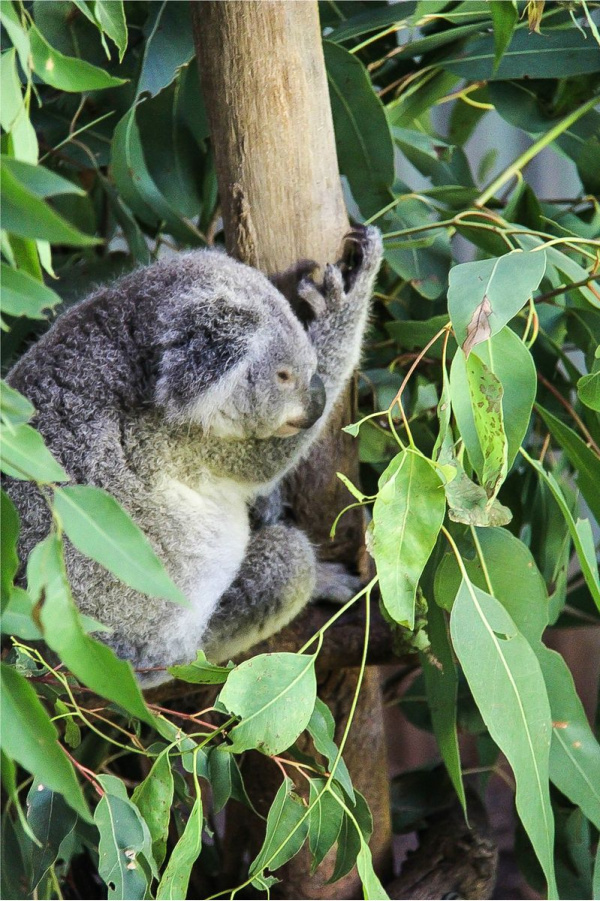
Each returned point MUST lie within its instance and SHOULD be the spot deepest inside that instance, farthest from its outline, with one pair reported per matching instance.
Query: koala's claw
(361, 255)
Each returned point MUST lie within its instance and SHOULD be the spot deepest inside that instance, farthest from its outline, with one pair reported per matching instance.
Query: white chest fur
(208, 535)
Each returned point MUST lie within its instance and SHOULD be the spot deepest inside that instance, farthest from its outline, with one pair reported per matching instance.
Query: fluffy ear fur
(199, 348)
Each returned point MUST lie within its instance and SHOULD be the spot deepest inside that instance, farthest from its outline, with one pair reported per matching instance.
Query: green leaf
(484, 296)
(274, 695)
(441, 683)
(175, 879)
(17, 34)
(9, 537)
(324, 822)
(137, 187)
(510, 361)
(67, 73)
(517, 584)
(201, 671)
(373, 18)
(407, 517)
(14, 406)
(153, 798)
(27, 215)
(225, 778)
(555, 53)
(486, 393)
(30, 738)
(51, 820)
(589, 567)
(351, 839)
(169, 46)
(123, 836)
(364, 144)
(507, 684)
(321, 728)
(23, 295)
(580, 456)
(90, 661)
(588, 386)
(99, 527)
(504, 18)
(287, 828)
(23, 455)
(40, 181)
(372, 887)
(411, 334)
(111, 18)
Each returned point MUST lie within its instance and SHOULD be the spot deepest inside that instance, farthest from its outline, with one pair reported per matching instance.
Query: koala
(188, 390)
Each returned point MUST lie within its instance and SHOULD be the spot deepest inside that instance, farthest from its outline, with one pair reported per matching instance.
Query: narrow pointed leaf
(287, 828)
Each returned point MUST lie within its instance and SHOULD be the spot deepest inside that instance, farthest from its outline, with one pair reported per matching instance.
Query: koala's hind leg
(276, 581)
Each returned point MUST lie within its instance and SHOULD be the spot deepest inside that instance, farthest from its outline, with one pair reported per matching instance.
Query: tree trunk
(265, 89)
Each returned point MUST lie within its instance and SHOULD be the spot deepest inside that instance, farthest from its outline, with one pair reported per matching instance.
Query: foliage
(479, 432)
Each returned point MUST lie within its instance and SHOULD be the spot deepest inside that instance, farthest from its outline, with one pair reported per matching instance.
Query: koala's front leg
(276, 580)
(341, 306)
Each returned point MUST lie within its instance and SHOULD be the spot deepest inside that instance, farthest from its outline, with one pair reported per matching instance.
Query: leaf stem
(572, 413)
(537, 146)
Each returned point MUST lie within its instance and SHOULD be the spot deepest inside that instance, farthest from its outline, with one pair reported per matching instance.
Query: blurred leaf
(14, 118)
(23, 295)
(588, 386)
(509, 690)
(274, 695)
(153, 798)
(136, 186)
(90, 661)
(101, 529)
(17, 34)
(421, 96)
(504, 17)
(25, 214)
(40, 181)
(23, 455)
(15, 409)
(324, 822)
(30, 738)
(10, 535)
(584, 461)
(441, 682)
(169, 45)
(67, 73)
(364, 144)
(589, 566)
(123, 836)
(51, 821)
(287, 828)
(527, 57)
(111, 18)
(407, 518)
(201, 671)
(373, 18)
(508, 358)
(484, 296)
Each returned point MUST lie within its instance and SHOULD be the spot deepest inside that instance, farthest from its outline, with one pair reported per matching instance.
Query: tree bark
(265, 89)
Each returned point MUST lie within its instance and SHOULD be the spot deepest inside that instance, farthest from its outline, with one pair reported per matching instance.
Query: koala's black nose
(316, 403)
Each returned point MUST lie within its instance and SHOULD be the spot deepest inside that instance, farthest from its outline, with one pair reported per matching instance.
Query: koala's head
(233, 358)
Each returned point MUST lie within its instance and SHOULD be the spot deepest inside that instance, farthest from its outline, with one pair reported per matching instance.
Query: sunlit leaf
(124, 837)
(23, 295)
(24, 455)
(153, 798)
(67, 73)
(287, 828)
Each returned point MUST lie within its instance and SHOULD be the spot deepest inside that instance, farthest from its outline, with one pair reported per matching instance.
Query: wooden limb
(265, 88)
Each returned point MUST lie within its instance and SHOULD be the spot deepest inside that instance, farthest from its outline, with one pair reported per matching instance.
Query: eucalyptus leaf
(101, 529)
(287, 829)
(23, 295)
(9, 538)
(175, 879)
(153, 798)
(507, 684)
(325, 821)
(274, 696)
(29, 737)
(486, 393)
(24, 455)
(51, 820)
(484, 296)
(201, 671)
(588, 386)
(67, 73)
(321, 728)
(407, 518)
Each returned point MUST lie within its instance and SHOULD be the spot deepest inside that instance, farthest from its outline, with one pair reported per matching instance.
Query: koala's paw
(361, 257)
(335, 583)
(351, 278)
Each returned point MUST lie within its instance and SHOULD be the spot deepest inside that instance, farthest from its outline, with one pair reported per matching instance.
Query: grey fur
(163, 389)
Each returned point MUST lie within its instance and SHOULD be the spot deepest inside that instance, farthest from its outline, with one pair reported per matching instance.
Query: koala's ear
(197, 349)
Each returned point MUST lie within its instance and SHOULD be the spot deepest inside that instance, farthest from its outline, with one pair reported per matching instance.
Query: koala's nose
(316, 403)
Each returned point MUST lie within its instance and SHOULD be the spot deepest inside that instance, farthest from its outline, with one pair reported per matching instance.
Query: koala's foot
(335, 583)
